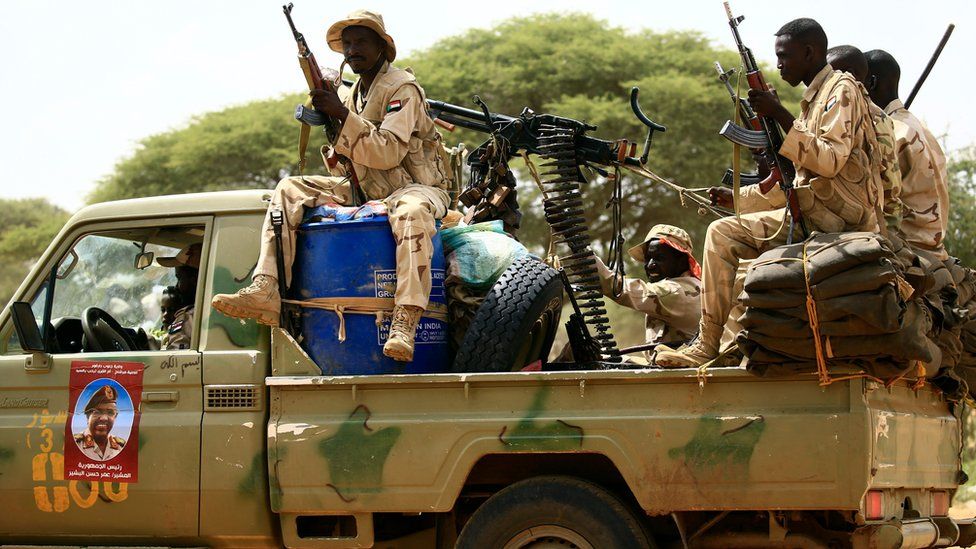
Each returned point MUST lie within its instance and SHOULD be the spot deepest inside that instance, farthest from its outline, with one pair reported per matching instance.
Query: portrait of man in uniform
(96, 441)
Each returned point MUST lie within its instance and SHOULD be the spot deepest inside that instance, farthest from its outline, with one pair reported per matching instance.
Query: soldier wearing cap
(97, 442)
(187, 265)
(670, 298)
(397, 155)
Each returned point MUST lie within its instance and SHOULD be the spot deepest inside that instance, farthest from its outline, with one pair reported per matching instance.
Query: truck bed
(680, 442)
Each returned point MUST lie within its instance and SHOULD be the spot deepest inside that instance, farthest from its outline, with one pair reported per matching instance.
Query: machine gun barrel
(464, 117)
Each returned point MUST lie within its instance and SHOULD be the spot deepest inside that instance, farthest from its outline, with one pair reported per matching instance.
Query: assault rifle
(745, 113)
(317, 81)
(763, 134)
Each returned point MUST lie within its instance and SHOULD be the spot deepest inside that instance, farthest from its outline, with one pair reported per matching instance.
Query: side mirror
(26, 326)
(67, 265)
(143, 260)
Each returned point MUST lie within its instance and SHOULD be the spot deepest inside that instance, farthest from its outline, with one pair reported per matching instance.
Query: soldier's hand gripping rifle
(308, 116)
(763, 133)
(747, 115)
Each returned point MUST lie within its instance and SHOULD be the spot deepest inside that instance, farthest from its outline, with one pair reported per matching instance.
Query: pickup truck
(240, 441)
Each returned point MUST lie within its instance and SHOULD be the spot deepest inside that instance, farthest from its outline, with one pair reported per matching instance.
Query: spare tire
(517, 321)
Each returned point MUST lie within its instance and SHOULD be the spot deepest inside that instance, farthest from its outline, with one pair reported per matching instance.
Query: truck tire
(554, 511)
(517, 321)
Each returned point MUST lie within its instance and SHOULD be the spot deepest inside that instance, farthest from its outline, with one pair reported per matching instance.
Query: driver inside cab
(187, 265)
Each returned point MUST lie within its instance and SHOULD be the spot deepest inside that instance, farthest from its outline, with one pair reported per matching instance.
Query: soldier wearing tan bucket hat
(670, 297)
(396, 152)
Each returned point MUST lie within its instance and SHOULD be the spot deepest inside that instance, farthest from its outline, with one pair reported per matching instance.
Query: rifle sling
(737, 180)
(303, 142)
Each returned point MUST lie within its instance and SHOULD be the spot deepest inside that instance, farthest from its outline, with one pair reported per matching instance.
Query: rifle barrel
(928, 68)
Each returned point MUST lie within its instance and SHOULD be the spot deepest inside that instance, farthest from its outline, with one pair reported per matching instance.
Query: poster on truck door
(101, 439)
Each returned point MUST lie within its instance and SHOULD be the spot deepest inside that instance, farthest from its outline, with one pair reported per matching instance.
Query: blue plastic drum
(357, 258)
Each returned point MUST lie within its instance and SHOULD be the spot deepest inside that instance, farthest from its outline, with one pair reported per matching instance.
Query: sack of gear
(964, 333)
(476, 256)
(849, 290)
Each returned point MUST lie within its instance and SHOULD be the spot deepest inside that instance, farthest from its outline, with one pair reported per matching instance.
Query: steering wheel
(104, 333)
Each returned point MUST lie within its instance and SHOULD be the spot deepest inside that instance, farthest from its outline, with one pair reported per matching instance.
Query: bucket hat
(360, 18)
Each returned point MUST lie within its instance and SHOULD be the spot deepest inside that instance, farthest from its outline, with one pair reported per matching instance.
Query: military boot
(692, 355)
(399, 346)
(259, 301)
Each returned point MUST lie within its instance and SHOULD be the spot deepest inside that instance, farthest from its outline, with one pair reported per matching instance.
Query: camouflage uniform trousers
(732, 326)
(412, 212)
(727, 243)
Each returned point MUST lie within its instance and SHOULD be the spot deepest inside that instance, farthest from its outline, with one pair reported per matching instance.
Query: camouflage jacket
(834, 147)
(389, 137)
(884, 128)
(672, 307)
(925, 191)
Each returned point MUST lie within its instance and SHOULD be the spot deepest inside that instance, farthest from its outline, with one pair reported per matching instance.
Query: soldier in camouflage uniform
(851, 60)
(670, 298)
(846, 59)
(396, 152)
(834, 148)
(925, 191)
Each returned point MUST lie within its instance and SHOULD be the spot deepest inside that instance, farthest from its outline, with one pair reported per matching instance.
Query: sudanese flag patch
(394, 106)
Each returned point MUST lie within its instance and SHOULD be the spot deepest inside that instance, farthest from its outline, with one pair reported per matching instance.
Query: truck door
(127, 461)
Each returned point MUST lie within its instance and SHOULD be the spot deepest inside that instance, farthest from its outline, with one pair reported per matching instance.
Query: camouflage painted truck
(240, 441)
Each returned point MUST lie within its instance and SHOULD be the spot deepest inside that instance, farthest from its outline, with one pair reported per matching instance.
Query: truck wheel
(554, 511)
(517, 321)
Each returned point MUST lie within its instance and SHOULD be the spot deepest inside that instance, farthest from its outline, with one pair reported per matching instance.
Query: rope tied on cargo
(380, 307)
(822, 348)
(814, 321)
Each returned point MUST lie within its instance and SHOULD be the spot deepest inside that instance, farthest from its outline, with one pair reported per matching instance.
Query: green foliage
(961, 238)
(26, 228)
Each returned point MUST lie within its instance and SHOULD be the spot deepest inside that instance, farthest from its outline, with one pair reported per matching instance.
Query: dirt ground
(963, 509)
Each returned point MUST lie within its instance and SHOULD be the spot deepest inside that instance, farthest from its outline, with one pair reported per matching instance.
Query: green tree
(26, 228)
(961, 238)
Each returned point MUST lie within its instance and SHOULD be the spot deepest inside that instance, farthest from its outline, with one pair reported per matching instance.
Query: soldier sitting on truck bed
(671, 297)
(397, 155)
(925, 194)
(852, 60)
(833, 146)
